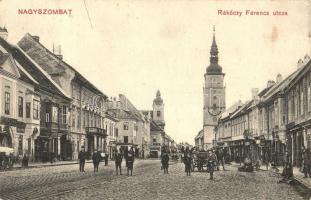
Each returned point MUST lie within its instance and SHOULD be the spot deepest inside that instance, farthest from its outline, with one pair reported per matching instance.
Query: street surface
(147, 182)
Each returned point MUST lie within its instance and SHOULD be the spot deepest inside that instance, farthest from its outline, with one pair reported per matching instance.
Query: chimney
(4, 33)
(57, 51)
(279, 78)
(270, 83)
(36, 38)
(300, 63)
(306, 59)
(255, 92)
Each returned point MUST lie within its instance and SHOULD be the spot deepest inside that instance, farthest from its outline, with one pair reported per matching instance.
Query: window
(7, 103)
(158, 113)
(117, 132)
(309, 98)
(154, 140)
(20, 107)
(54, 114)
(126, 139)
(47, 117)
(64, 113)
(136, 128)
(73, 123)
(79, 118)
(35, 109)
(301, 102)
(125, 126)
(28, 105)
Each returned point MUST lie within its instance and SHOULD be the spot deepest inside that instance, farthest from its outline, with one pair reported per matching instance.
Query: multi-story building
(109, 124)
(132, 126)
(297, 96)
(18, 122)
(82, 129)
(43, 142)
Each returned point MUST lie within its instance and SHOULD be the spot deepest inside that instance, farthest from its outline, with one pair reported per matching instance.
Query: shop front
(96, 138)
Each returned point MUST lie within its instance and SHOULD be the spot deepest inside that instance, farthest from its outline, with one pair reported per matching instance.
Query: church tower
(158, 110)
(214, 96)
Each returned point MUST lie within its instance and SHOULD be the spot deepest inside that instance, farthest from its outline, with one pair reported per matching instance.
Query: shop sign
(8, 121)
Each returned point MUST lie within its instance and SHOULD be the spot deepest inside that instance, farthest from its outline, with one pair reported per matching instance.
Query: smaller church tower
(158, 110)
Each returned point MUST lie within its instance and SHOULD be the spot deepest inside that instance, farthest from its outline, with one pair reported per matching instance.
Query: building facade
(19, 117)
(77, 124)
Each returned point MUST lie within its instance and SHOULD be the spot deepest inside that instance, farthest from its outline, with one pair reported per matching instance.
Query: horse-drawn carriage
(199, 160)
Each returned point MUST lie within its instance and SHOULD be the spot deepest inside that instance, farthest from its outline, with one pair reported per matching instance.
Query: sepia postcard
(155, 99)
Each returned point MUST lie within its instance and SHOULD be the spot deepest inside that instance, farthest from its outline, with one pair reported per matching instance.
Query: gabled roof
(46, 58)
(299, 74)
(276, 88)
(45, 81)
(241, 109)
(122, 114)
(264, 91)
(231, 110)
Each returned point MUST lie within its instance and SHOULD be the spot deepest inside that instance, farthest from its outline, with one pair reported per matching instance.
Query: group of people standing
(97, 157)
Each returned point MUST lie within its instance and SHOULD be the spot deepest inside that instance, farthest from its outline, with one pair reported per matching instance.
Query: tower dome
(158, 100)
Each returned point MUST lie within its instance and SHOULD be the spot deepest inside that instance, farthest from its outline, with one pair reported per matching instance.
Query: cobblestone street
(147, 182)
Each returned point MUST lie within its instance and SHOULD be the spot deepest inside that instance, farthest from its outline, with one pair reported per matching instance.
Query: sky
(137, 47)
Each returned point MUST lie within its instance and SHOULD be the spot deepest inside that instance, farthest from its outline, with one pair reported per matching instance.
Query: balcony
(96, 131)
(51, 126)
(156, 144)
(63, 127)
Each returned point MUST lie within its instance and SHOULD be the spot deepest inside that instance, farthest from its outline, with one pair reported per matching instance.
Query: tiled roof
(231, 109)
(280, 86)
(45, 58)
(44, 80)
(3, 58)
(242, 108)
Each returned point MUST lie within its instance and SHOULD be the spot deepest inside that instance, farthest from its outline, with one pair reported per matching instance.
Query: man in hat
(211, 163)
(118, 161)
(164, 160)
(81, 158)
(130, 161)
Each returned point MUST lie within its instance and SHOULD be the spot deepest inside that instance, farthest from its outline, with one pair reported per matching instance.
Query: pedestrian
(165, 160)
(118, 162)
(106, 159)
(96, 160)
(287, 173)
(81, 158)
(221, 158)
(306, 162)
(211, 162)
(25, 161)
(187, 162)
(266, 157)
(130, 161)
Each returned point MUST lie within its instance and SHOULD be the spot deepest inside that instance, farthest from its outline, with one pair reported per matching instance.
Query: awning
(6, 150)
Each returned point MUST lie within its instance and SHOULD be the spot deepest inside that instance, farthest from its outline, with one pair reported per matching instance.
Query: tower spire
(214, 67)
